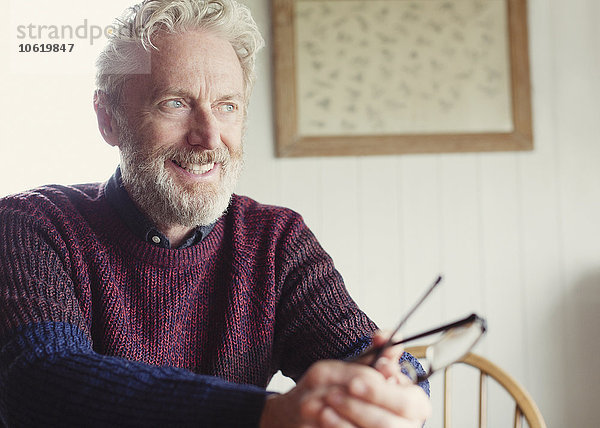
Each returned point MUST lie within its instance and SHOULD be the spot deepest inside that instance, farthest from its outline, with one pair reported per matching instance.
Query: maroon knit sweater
(98, 326)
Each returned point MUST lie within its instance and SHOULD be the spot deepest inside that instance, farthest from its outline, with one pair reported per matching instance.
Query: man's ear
(106, 120)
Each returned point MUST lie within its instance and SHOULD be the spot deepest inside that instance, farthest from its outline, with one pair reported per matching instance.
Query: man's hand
(341, 394)
(388, 363)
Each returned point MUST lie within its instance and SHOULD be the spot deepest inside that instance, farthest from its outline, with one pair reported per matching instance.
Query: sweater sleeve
(49, 372)
(317, 318)
(49, 376)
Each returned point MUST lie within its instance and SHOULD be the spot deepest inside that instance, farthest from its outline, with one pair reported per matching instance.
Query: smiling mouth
(194, 168)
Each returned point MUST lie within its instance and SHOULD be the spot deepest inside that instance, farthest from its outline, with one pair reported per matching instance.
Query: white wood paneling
(421, 236)
(501, 263)
(340, 213)
(577, 64)
(301, 190)
(380, 240)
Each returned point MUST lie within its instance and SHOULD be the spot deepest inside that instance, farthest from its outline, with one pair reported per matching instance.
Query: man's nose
(204, 130)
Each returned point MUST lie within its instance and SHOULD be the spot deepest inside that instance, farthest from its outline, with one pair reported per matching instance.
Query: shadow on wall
(581, 355)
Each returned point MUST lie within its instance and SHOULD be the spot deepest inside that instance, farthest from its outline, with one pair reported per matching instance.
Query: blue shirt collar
(136, 220)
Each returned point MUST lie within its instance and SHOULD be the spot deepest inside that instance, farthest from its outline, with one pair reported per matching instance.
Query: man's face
(181, 133)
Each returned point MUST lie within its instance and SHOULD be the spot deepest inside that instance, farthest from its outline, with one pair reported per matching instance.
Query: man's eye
(228, 108)
(174, 104)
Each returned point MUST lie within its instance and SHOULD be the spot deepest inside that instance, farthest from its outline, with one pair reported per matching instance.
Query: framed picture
(373, 77)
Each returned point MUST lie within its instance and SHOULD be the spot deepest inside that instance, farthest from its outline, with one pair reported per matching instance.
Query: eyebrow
(233, 96)
(182, 93)
(172, 92)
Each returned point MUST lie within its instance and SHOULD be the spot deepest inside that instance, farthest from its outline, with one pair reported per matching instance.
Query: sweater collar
(138, 222)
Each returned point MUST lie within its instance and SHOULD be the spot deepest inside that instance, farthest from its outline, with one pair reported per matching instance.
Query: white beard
(167, 202)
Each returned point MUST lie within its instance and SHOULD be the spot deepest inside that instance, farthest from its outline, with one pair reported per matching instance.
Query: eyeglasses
(455, 341)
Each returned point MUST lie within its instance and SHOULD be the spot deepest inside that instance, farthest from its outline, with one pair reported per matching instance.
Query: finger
(379, 339)
(311, 407)
(409, 401)
(331, 419)
(390, 369)
(393, 372)
(366, 415)
(329, 373)
(392, 353)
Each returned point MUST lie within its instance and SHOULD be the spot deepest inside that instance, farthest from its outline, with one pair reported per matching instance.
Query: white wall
(516, 235)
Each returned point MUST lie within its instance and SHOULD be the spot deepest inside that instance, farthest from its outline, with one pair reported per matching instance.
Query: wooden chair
(524, 404)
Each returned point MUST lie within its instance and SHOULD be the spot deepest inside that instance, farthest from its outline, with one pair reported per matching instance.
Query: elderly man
(158, 298)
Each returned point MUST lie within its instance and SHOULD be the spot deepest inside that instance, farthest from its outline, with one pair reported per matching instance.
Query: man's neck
(176, 234)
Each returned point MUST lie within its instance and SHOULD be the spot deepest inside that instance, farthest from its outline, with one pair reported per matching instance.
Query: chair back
(525, 407)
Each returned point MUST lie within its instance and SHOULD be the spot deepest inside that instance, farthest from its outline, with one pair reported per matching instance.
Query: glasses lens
(453, 345)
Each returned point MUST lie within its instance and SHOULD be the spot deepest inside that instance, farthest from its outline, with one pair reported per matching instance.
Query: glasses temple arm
(467, 320)
(471, 318)
(379, 351)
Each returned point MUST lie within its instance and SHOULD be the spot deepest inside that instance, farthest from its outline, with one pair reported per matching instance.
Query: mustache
(196, 156)
(149, 160)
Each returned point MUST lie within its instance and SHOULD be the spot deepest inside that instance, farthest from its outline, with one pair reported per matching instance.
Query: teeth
(195, 168)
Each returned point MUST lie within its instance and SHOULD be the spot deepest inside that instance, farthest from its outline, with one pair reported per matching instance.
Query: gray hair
(128, 48)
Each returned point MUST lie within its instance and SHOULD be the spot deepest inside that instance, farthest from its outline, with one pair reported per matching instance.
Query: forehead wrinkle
(170, 47)
(236, 96)
(203, 77)
(158, 93)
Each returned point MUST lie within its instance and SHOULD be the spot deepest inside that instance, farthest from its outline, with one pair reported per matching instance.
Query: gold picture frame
(319, 111)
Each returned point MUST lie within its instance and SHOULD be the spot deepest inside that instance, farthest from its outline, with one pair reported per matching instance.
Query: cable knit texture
(98, 326)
